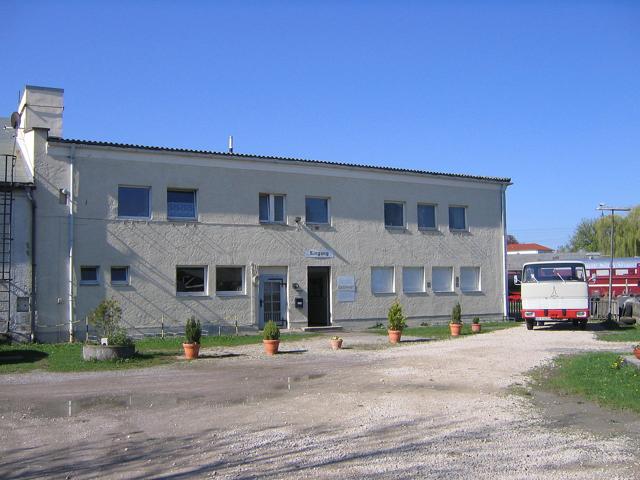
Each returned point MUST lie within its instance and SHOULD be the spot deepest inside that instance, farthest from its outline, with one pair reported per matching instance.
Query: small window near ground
(470, 279)
(229, 280)
(181, 205)
(316, 210)
(394, 214)
(442, 279)
(382, 280)
(271, 208)
(191, 280)
(426, 217)
(133, 202)
(89, 275)
(413, 279)
(119, 275)
(457, 218)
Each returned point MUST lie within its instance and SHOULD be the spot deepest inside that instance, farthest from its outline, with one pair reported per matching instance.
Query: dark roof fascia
(93, 143)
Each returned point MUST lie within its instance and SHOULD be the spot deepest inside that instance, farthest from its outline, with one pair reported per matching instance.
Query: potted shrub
(192, 333)
(456, 320)
(636, 351)
(106, 318)
(336, 343)
(271, 337)
(397, 322)
(475, 325)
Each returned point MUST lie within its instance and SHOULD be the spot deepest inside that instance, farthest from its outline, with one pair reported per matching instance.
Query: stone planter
(107, 352)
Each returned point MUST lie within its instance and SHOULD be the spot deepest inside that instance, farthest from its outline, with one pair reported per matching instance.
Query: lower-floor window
(229, 280)
(442, 279)
(191, 280)
(413, 279)
(382, 280)
(470, 279)
(89, 275)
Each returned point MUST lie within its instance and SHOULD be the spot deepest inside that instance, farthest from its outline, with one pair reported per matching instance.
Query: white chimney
(42, 107)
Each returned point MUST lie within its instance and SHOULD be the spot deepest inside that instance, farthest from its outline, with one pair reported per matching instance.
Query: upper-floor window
(134, 202)
(181, 204)
(426, 216)
(394, 214)
(457, 218)
(316, 210)
(271, 208)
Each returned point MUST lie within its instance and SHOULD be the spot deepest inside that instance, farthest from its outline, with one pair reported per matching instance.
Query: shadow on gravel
(21, 356)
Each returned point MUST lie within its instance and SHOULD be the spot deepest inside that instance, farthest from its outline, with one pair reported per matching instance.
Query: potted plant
(475, 325)
(115, 343)
(397, 322)
(192, 333)
(636, 351)
(456, 320)
(336, 343)
(271, 337)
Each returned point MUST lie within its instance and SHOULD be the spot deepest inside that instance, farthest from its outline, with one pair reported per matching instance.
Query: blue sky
(546, 92)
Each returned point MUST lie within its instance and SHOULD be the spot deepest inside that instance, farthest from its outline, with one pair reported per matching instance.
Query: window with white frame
(383, 279)
(134, 202)
(457, 218)
(442, 279)
(426, 216)
(394, 214)
(413, 279)
(229, 280)
(89, 275)
(181, 204)
(119, 276)
(271, 208)
(470, 279)
(316, 210)
(191, 280)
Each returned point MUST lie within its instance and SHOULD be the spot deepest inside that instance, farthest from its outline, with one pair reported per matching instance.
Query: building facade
(237, 239)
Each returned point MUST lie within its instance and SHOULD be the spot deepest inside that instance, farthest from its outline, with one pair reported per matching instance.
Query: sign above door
(318, 253)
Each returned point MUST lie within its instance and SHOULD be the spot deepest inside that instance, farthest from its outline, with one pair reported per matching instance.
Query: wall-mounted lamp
(298, 219)
(296, 286)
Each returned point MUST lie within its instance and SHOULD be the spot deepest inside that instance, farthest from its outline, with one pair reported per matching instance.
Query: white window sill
(413, 292)
(89, 284)
(231, 294)
(192, 294)
(459, 230)
(120, 284)
(471, 291)
(139, 219)
(443, 291)
(383, 293)
(427, 229)
(392, 227)
(265, 222)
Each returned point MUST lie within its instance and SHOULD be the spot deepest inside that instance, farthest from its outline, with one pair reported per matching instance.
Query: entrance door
(272, 300)
(318, 296)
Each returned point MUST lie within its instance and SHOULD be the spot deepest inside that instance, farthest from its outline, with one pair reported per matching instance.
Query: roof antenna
(230, 143)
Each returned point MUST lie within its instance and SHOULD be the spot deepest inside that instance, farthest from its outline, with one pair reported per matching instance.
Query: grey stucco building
(235, 238)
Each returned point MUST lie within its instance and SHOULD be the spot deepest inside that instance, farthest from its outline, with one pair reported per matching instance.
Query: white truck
(554, 292)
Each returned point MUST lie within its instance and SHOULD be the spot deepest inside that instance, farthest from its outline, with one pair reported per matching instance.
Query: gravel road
(420, 410)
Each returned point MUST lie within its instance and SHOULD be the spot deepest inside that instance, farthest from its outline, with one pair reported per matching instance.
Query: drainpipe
(505, 287)
(70, 203)
(33, 264)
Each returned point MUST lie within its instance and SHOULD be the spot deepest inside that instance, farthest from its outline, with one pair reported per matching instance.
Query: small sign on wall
(346, 291)
(318, 253)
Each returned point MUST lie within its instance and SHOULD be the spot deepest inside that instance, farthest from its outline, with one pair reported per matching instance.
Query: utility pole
(603, 207)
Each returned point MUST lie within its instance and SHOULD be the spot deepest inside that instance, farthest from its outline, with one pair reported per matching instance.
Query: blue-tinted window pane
(278, 208)
(181, 204)
(119, 274)
(317, 210)
(133, 202)
(393, 214)
(264, 208)
(426, 216)
(457, 219)
(88, 274)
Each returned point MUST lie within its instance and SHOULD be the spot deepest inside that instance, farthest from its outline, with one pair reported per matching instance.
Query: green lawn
(621, 334)
(67, 357)
(441, 332)
(596, 376)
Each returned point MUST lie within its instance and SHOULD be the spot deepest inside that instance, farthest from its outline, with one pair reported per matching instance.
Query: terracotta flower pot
(455, 329)
(191, 350)
(336, 344)
(394, 336)
(636, 352)
(476, 327)
(271, 346)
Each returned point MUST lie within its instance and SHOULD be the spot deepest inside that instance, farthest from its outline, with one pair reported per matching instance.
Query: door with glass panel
(272, 300)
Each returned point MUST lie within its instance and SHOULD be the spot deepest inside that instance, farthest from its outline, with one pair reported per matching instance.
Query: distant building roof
(526, 247)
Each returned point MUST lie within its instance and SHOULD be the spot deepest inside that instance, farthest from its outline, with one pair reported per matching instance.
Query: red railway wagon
(625, 279)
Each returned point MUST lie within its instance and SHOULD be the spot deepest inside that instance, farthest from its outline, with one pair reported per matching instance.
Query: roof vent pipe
(230, 143)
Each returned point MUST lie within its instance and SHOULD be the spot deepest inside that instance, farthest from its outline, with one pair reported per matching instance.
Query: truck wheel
(583, 324)
(529, 324)
(575, 323)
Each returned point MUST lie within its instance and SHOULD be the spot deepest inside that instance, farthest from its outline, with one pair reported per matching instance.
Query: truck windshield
(554, 272)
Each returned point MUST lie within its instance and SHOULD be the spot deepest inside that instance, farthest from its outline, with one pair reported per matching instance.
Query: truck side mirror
(592, 278)
(515, 280)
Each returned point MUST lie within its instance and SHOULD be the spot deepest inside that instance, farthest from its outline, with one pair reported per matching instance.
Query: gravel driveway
(420, 410)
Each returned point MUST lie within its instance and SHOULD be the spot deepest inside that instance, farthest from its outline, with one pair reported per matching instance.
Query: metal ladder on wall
(6, 216)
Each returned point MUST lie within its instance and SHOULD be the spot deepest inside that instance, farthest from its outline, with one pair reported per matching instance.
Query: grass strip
(600, 377)
(441, 332)
(621, 334)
